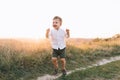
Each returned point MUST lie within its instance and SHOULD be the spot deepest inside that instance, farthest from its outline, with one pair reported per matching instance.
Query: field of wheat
(26, 59)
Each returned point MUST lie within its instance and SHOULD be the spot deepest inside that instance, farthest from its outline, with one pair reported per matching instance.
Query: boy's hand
(68, 32)
(48, 30)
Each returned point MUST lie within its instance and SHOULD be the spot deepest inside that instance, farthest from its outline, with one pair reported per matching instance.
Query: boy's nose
(54, 23)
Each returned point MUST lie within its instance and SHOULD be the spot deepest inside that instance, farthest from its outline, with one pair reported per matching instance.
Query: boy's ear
(60, 23)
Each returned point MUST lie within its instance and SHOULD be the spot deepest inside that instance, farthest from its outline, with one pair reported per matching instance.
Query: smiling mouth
(54, 25)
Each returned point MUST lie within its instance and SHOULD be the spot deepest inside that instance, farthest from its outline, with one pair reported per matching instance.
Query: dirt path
(100, 62)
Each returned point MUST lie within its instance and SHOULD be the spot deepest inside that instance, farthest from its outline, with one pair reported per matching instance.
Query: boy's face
(56, 23)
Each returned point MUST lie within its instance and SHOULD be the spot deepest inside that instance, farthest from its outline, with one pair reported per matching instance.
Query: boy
(57, 36)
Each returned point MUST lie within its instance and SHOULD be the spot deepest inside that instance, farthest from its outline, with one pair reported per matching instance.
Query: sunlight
(87, 19)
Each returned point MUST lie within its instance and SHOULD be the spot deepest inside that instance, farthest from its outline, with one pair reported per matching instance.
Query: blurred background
(84, 18)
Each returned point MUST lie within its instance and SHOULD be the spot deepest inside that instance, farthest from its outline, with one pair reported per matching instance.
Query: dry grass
(25, 57)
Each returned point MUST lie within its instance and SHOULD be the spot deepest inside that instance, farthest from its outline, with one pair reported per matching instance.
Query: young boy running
(57, 36)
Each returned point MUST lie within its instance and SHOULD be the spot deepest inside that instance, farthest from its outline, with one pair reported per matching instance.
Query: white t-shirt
(58, 38)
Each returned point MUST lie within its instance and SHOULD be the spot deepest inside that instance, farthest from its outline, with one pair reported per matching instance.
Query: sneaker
(55, 72)
(64, 72)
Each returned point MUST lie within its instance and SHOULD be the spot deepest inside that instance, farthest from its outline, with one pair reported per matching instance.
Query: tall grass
(24, 60)
(110, 71)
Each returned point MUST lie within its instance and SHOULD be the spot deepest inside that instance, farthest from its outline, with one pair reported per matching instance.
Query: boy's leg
(55, 62)
(54, 58)
(63, 61)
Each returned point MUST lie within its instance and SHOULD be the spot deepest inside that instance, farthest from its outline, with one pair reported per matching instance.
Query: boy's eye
(55, 22)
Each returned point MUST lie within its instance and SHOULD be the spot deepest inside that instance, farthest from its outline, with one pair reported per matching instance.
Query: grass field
(28, 59)
(110, 71)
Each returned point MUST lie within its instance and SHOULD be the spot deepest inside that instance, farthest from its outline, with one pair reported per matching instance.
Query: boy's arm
(47, 33)
(68, 33)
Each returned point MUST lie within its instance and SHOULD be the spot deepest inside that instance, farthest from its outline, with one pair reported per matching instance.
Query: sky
(84, 18)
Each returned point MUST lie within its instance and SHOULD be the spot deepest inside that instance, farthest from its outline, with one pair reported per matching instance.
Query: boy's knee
(54, 59)
(62, 60)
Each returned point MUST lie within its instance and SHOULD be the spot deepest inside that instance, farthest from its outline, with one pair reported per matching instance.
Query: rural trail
(98, 63)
